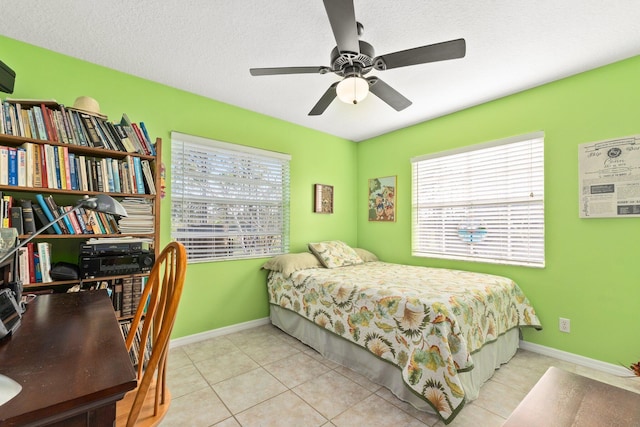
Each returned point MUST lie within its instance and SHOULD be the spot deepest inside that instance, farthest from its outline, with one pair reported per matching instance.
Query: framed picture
(382, 199)
(323, 200)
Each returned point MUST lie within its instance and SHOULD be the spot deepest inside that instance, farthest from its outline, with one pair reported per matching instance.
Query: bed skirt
(381, 372)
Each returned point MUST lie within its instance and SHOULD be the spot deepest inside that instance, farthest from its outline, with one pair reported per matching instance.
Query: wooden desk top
(565, 399)
(67, 354)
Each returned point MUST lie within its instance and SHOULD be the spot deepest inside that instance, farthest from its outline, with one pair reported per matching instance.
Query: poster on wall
(323, 198)
(382, 199)
(609, 174)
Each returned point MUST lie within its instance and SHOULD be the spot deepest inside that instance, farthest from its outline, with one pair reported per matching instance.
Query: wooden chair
(148, 403)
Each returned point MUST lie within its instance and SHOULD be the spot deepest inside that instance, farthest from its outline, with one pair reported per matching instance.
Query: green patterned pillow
(335, 253)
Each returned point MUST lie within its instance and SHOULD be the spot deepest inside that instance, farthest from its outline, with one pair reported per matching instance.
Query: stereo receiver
(114, 265)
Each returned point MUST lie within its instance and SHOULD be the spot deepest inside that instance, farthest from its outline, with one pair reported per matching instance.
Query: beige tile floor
(263, 377)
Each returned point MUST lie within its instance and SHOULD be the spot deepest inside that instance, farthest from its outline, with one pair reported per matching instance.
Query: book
(32, 124)
(48, 214)
(48, 166)
(22, 167)
(28, 219)
(64, 163)
(93, 137)
(139, 176)
(7, 203)
(4, 165)
(36, 266)
(129, 174)
(52, 134)
(16, 219)
(41, 218)
(39, 119)
(148, 177)
(92, 183)
(30, 163)
(44, 252)
(57, 178)
(151, 146)
(115, 172)
(81, 167)
(32, 267)
(19, 122)
(110, 178)
(96, 171)
(23, 264)
(37, 166)
(13, 166)
(2, 129)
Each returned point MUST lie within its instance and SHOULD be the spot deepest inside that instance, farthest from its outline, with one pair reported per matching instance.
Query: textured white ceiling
(207, 47)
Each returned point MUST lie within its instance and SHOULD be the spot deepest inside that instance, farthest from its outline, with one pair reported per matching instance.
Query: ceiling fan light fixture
(352, 90)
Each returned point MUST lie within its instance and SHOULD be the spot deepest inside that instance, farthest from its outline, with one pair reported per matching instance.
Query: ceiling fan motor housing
(353, 63)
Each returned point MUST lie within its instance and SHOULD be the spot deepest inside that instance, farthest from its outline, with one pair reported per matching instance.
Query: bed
(431, 336)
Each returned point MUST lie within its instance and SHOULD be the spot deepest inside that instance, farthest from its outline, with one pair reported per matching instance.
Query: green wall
(591, 276)
(224, 293)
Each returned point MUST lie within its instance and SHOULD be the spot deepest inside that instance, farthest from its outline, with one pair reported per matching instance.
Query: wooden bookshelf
(66, 140)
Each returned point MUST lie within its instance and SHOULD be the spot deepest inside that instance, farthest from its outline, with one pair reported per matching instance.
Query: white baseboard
(189, 339)
(574, 358)
(525, 345)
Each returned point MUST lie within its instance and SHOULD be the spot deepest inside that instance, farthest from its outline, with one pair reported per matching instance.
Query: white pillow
(287, 264)
(365, 255)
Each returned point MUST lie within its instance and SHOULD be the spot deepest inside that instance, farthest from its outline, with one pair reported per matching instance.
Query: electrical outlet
(565, 325)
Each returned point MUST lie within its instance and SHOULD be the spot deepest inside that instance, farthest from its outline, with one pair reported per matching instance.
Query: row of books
(49, 121)
(27, 216)
(53, 166)
(34, 263)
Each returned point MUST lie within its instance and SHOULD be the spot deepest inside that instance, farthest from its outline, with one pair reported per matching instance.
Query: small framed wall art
(382, 199)
(323, 199)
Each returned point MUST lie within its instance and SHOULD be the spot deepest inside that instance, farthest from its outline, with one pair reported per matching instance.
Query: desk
(564, 399)
(70, 358)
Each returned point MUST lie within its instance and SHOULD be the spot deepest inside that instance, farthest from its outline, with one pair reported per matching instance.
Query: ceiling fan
(353, 58)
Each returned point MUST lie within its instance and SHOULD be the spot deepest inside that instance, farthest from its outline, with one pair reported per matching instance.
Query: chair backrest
(154, 321)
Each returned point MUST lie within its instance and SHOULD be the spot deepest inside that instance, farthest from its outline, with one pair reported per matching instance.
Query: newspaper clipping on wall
(610, 178)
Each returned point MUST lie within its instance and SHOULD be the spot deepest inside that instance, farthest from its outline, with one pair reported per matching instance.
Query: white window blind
(482, 203)
(228, 201)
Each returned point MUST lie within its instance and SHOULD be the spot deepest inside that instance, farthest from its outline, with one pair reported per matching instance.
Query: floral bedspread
(426, 321)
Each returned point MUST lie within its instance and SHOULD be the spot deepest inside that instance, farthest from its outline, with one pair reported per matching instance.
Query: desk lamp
(99, 203)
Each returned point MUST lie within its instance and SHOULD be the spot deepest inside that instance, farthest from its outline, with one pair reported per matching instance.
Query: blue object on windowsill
(472, 234)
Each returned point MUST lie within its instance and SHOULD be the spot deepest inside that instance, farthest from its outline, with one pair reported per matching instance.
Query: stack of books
(140, 216)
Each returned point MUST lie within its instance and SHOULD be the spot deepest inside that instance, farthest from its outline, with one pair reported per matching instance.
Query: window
(481, 203)
(228, 201)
